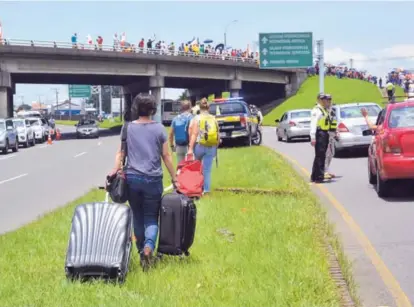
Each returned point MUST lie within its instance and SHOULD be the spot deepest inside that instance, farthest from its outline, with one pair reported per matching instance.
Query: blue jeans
(206, 155)
(144, 197)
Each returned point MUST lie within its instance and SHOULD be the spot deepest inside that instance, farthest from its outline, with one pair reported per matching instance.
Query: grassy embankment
(342, 91)
(105, 124)
(250, 250)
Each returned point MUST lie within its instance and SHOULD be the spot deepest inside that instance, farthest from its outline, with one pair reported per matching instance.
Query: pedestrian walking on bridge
(319, 134)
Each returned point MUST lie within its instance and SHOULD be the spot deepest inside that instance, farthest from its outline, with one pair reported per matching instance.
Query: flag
(89, 39)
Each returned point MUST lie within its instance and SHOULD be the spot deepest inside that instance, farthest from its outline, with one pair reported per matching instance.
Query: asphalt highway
(42, 178)
(387, 223)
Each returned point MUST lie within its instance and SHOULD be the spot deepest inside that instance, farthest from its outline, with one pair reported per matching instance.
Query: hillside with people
(343, 90)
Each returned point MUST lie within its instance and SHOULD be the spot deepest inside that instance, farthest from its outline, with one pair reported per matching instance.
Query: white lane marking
(80, 154)
(13, 178)
(7, 157)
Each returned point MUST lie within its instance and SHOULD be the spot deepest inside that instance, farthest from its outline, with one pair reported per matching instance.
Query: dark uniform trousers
(321, 146)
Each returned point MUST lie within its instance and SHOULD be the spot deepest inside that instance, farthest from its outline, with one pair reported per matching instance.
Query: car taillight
(243, 121)
(391, 145)
(292, 124)
(342, 128)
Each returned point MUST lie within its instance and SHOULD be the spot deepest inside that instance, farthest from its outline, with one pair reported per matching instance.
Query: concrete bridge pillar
(6, 95)
(156, 83)
(235, 86)
(129, 93)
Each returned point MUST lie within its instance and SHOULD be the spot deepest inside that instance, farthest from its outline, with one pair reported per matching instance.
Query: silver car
(351, 124)
(8, 136)
(294, 124)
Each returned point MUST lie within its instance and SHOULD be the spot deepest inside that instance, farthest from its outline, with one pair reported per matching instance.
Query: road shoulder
(370, 288)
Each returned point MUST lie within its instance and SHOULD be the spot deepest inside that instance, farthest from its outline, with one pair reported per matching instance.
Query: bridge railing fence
(119, 48)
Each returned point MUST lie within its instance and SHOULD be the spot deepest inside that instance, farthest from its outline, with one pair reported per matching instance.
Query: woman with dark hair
(147, 144)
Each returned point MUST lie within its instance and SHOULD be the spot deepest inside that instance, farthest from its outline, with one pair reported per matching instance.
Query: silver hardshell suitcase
(100, 241)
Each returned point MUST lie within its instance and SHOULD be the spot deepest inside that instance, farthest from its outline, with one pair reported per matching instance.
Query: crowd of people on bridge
(342, 71)
(193, 47)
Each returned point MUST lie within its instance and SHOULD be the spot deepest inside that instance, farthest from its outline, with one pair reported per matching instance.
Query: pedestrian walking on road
(333, 134)
(204, 140)
(390, 90)
(179, 133)
(147, 145)
(319, 132)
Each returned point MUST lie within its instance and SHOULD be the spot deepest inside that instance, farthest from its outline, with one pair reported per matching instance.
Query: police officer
(319, 134)
(332, 136)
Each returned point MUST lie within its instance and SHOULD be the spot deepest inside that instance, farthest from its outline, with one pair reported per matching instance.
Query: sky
(364, 31)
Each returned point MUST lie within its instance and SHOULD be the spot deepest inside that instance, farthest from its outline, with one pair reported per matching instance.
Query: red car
(391, 153)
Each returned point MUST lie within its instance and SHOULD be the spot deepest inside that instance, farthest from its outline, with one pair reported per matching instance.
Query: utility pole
(351, 63)
(225, 33)
(21, 100)
(56, 90)
(320, 57)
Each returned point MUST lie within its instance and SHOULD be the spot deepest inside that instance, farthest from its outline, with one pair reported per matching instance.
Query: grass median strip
(105, 124)
(250, 250)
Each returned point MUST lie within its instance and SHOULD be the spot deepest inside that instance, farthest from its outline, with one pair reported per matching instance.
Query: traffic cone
(49, 140)
(57, 134)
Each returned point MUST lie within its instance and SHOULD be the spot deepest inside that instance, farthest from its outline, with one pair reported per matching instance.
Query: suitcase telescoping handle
(106, 194)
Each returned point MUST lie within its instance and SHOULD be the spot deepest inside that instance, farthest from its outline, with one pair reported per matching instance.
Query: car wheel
(278, 136)
(257, 140)
(288, 139)
(382, 186)
(16, 146)
(26, 144)
(33, 141)
(372, 178)
(5, 150)
(337, 152)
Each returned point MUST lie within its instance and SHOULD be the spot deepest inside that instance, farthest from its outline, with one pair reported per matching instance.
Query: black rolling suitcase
(100, 241)
(178, 215)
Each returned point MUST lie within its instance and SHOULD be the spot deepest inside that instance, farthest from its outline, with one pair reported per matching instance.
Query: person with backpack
(204, 140)
(179, 136)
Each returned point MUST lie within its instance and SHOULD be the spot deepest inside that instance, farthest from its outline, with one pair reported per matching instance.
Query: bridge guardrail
(129, 49)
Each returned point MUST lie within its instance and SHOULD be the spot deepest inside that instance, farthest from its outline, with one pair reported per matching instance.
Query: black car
(87, 128)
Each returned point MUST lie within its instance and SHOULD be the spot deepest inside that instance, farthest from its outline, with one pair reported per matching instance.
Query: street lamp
(225, 31)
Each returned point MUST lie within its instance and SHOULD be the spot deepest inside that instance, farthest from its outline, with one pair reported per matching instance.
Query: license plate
(227, 127)
(223, 134)
(87, 132)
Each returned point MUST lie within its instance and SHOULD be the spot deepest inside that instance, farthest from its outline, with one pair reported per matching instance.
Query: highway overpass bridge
(52, 63)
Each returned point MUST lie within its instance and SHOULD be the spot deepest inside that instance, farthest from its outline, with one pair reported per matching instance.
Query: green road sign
(79, 91)
(286, 50)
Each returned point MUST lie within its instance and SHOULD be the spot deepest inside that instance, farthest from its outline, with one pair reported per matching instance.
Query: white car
(25, 133)
(351, 124)
(39, 128)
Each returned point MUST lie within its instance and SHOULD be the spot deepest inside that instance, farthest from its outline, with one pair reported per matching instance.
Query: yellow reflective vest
(324, 122)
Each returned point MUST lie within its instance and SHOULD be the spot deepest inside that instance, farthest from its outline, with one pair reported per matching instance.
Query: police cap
(328, 96)
(320, 96)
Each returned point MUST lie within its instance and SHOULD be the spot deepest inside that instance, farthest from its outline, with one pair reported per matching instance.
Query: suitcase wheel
(187, 253)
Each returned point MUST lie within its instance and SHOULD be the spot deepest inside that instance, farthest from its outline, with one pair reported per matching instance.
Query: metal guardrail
(129, 49)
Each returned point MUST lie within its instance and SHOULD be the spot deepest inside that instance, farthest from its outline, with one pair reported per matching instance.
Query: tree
(184, 95)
